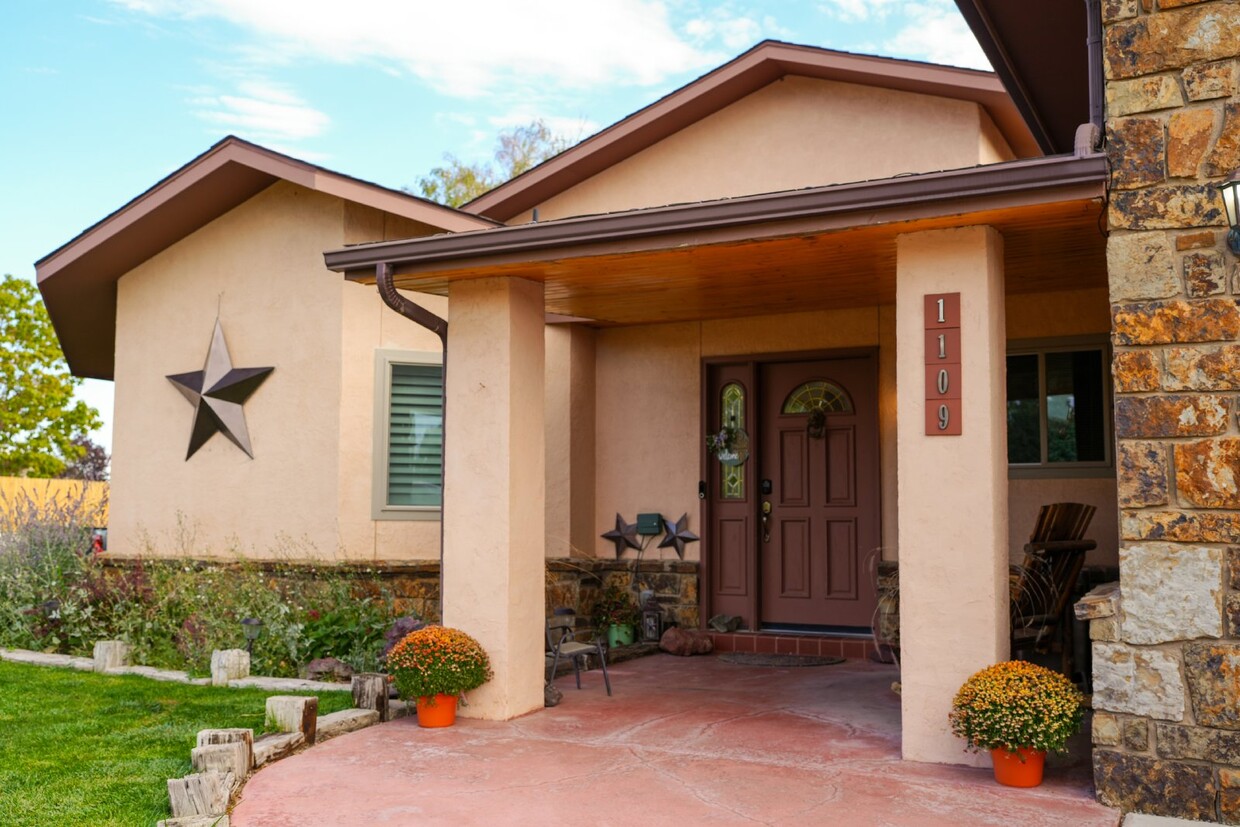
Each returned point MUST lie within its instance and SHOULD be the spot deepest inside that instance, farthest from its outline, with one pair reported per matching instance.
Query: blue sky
(102, 98)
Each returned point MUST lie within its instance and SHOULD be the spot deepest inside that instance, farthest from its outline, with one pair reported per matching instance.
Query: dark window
(1056, 408)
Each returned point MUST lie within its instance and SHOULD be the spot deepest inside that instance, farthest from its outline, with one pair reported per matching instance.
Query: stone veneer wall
(1167, 663)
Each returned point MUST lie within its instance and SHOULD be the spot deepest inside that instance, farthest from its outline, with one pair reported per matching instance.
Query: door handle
(766, 521)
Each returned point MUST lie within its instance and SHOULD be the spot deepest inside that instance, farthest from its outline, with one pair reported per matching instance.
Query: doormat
(760, 659)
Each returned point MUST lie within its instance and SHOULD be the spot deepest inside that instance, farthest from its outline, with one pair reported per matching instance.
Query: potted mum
(1019, 711)
(435, 665)
(617, 613)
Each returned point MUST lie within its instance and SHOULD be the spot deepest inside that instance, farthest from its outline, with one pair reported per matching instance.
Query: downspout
(1093, 44)
(420, 315)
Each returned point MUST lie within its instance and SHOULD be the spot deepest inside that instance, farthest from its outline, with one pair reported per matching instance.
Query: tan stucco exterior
(308, 489)
(796, 132)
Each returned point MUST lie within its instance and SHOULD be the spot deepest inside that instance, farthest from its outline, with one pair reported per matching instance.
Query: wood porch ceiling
(1047, 247)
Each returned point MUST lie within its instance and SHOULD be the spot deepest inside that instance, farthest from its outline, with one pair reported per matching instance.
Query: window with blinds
(415, 436)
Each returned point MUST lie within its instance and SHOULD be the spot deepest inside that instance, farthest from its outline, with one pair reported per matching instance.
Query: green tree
(39, 421)
(516, 150)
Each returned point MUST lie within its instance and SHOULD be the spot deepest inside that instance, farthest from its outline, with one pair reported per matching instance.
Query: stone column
(1166, 688)
(494, 500)
(952, 489)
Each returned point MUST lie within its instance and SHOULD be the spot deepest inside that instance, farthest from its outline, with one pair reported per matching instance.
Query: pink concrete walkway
(683, 742)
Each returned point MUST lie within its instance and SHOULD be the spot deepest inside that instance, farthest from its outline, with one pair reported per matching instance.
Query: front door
(793, 527)
(820, 520)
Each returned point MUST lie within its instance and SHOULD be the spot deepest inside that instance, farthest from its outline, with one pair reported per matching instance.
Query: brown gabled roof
(761, 65)
(78, 279)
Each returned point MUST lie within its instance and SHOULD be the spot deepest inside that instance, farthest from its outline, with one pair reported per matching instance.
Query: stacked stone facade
(1167, 651)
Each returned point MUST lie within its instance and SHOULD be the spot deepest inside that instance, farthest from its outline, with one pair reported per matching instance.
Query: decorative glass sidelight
(732, 412)
(818, 395)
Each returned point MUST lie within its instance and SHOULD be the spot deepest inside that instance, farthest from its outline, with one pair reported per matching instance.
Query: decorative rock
(47, 659)
(1213, 671)
(1105, 730)
(551, 695)
(397, 709)
(201, 794)
(1225, 156)
(1156, 43)
(245, 737)
(289, 685)
(1136, 148)
(1140, 266)
(1142, 682)
(1171, 592)
(1170, 415)
(1134, 371)
(1180, 526)
(1204, 274)
(111, 654)
(229, 665)
(293, 713)
(168, 675)
(1127, 97)
(1151, 785)
(1206, 473)
(1142, 474)
(370, 691)
(1176, 322)
(1188, 138)
(1203, 368)
(683, 642)
(195, 821)
(276, 746)
(1195, 241)
(1183, 206)
(1137, 734)
(1197, 743)
(1100, 601)
(1209, 81)
(234, 758)
(344, 721)
(328, 669)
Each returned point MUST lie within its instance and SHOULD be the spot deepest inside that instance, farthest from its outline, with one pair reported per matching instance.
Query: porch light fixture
(252, 627)
(1230, 191)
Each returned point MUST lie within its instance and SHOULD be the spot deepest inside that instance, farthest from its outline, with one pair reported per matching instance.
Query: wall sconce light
(1230, 191)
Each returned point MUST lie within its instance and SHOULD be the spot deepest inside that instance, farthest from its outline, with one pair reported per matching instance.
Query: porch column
(494, 486)
(952, 489)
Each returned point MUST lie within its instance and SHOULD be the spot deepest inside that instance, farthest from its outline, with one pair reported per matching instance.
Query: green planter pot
(619, 635)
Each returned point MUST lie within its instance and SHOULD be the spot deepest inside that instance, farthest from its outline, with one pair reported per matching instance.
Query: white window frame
(1044, 469)
(385, 358)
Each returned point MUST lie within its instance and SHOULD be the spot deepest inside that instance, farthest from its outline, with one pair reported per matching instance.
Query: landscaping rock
(346, 720)
(276, 746)
(371, 691)
(208, 737)
(677, 641)
(45, 659)
(196, 821)
(168, 675)
(293, 713)
(551, 695)
(232, 758)
(289, 685)
(397, 709)
(201, 794)
(229, 665)
(111, 654)
(327, 669)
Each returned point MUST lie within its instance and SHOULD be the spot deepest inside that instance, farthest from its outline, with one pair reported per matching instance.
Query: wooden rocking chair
(1042, 586)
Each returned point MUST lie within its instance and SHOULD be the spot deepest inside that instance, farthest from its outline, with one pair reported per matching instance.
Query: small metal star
(217, 393)
(623, 535)
(678, 534)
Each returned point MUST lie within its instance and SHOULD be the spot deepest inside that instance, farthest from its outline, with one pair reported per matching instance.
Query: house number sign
(942, 313)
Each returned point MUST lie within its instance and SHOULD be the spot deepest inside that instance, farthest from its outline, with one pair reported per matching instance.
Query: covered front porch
(553, 429)
(683, 741)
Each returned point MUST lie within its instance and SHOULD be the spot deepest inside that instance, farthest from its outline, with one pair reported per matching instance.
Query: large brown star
(624, 535)
(217, 393)
(677, 535)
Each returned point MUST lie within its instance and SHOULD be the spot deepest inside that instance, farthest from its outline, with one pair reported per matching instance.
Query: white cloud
(735, 33)
(858, 10)
(463, 48)
(263, 111)
(936, 32)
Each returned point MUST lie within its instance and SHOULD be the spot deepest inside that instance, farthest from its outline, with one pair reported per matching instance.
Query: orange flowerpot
(1022, 768)
(436, 710)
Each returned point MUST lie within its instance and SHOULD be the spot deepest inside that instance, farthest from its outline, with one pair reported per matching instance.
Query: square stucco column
(494, 498)
(952, 489)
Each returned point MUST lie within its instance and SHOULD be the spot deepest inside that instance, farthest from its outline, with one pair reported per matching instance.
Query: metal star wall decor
(678, 534)
(623, 535)
(217, 393)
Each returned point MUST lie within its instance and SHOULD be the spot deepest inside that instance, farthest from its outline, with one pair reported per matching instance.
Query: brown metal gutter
(900, 198)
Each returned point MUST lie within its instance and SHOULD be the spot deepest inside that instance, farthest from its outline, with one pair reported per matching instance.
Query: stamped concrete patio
(690, 741)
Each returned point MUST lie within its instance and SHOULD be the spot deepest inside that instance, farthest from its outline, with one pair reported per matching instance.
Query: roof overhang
(820, 247)
(760, 66)
(78, 280)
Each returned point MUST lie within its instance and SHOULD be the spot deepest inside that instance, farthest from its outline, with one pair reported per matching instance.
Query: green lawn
(81, 748)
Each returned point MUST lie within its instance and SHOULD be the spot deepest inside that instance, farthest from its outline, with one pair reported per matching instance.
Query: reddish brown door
(823, 519)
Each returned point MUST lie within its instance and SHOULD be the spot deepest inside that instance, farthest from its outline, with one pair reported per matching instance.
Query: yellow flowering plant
(1016, 704)
(437, 660)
